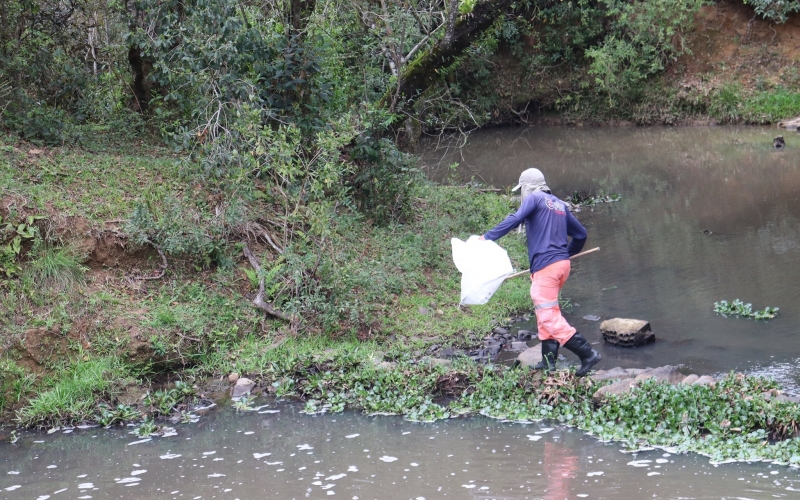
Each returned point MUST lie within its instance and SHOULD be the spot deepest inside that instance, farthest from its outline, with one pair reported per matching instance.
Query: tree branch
(259, 301)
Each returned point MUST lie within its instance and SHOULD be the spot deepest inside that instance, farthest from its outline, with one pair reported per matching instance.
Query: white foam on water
(82, 476)
(269, 411)
(582, 495)
(317, 483)
(147, 440)
(468, 486)
(639, 463)
(85, 497)
(331, 493)
(544, 430)
(60, 491)
(327, 486)
(169, 456)
(352, 468)
(534, 438)
(38, 441)
(335, 478)
(351, 436)
(127, 480)
(387, 458)
(414, 464)
(216, 474)
(43, 497)
(138, 472)
(661, 460)
(13, 472)
(249, 433)
(274, 463)
(206, 453)
(405, 432)
(218, 459)
(259, 456)
(303, 447)
(15, 487)
(653, 473)
(597, 473)
(86, 486)
(52, 466)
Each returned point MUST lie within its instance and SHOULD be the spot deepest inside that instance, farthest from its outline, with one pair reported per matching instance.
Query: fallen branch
(163, 267)
(259, 301)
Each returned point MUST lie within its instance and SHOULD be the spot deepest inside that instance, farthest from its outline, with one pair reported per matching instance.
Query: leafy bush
(774, 10)
(14, 230)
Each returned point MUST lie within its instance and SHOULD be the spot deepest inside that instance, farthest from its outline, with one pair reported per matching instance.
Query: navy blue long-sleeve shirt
(548, 223)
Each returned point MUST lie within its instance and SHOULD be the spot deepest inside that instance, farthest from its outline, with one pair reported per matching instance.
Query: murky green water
(286, 455)
(656, 262)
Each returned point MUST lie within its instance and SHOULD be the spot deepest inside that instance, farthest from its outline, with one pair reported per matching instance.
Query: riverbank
(93, 338)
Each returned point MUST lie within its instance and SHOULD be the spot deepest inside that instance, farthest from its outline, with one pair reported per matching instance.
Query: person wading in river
(548, 223)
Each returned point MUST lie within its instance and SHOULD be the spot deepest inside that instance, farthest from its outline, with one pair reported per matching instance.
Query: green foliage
(15, 383)
(165, 401)
(776, 11)
(14, 230)
(740, 309)
(184, 226)
(72, 398)
(108, 416)
(55, 269)
(645, 35)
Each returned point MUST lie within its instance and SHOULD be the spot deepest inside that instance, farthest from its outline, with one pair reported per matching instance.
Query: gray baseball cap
(532, 180)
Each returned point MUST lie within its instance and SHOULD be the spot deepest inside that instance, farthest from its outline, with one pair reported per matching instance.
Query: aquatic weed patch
(739, 309)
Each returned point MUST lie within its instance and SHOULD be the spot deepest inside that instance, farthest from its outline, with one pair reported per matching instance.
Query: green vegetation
(740, 309)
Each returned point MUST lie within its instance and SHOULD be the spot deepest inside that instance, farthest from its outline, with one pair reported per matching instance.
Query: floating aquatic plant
(740, 309)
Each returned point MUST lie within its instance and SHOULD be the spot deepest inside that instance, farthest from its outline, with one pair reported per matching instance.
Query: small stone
(518, 346)
(627, 332)
(530, 356)
(705, 380)
(436, 362)
(525, 335)
(233, 377)
(636, 371)
(243, 386)
(690, 379)
(447, 352)
(492, 350)
(433, 348)
(500, 331)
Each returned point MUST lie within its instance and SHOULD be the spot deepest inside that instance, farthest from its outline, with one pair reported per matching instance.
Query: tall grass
(54, 268)
(73, 397)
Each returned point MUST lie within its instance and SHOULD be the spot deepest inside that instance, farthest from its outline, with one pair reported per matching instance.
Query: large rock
(667, 373)
(617, 388)
(530, 356)
(616, 373)
(705, 380)
(243, 386)
(627, 332)
(691, 379)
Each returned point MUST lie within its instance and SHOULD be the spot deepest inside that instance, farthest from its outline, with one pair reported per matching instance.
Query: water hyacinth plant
(740, 309)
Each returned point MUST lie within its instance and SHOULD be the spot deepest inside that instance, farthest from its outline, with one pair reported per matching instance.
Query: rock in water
(243, 386)
(530, 356)
(627, 332)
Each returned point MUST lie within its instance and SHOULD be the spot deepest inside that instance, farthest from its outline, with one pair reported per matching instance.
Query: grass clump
(73, 397)
(739, 309)
(55, 269)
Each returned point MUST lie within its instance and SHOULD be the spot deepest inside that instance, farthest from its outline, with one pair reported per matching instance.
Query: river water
(706, 214)
(656, 263)
(285, 455)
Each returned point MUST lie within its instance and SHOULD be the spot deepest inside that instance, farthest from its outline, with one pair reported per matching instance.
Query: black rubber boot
(589, 357)
(549, 356)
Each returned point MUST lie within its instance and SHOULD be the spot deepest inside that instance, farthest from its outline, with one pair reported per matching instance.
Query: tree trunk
(421, 72)
(452, 17)
(299, 11)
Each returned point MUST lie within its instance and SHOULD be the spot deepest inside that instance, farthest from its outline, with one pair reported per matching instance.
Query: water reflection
(707, 214)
